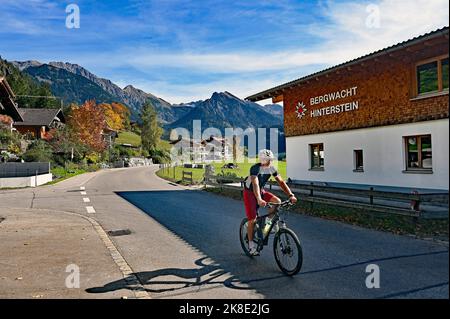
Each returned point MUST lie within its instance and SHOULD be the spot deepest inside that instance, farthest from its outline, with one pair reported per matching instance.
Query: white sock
(251, 245)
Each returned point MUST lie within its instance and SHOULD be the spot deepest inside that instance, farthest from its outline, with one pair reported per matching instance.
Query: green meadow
(175, 173)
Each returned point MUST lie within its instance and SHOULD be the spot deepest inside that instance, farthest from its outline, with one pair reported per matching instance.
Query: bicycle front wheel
(288, 251)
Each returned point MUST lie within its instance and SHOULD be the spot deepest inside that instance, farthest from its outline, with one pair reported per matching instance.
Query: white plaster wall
(15, 182)
(383, 152)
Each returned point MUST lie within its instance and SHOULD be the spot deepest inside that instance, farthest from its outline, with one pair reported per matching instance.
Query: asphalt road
(185, 244)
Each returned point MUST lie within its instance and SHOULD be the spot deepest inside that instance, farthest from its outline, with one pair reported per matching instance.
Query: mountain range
(226, 110)
(75, 84)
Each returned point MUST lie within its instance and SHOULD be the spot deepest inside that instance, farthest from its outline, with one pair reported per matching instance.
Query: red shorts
(251, 204)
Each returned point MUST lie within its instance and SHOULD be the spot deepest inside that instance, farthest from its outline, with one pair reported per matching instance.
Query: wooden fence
(187, 178)
(168, 169)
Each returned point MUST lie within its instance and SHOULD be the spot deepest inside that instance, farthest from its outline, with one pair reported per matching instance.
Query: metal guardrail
(13, 169)
(363, 199)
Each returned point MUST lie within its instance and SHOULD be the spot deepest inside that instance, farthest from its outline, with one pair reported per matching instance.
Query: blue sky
(185, 50)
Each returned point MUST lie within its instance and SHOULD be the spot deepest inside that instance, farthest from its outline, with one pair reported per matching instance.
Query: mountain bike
(286, 245)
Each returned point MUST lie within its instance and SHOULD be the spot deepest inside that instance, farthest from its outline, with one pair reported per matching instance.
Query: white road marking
(86, 200)
(90, 209)
(83, 193)
(82, 188)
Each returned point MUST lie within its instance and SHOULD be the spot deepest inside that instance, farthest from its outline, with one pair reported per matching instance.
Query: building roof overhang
(7, 103)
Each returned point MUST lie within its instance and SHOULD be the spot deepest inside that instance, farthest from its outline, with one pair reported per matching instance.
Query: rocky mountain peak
(132, 89)
(22, 65)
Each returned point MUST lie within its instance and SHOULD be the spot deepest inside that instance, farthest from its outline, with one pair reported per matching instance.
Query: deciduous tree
(123, 112)
(116, 115)
(86, 124)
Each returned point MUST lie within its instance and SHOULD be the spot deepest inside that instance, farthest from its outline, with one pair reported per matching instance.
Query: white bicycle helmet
(266, 155)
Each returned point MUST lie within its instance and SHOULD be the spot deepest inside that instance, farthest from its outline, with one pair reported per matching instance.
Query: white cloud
(346, 36)
(399, 20)
(342, 35)
(232, 62)
(29, 17)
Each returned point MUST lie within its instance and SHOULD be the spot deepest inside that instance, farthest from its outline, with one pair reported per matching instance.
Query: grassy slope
(62, 174)
(129, 138)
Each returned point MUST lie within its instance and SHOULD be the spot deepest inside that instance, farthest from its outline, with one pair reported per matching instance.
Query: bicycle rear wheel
(288, 251)
(243, 236)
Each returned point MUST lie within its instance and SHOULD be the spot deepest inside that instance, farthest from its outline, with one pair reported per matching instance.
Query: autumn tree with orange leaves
(86, 124)
(123, 112)
(117, 115)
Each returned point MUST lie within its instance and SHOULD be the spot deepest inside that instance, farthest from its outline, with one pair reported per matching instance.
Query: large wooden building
(381, 119)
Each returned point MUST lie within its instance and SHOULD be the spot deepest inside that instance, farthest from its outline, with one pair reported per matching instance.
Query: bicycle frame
(275, 219)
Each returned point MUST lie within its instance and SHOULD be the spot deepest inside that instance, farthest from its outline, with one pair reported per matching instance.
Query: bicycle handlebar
(282, 204)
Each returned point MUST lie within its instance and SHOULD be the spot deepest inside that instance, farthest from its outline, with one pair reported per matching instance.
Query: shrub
(227, 177)
(13, 148)
(127, 151)
(92, 158)
(38, 151)
(10, 141)
(160, 156)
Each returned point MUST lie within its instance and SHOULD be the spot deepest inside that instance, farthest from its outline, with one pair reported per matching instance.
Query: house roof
(277, 90)
(185, 141)
(39, 117)
(211, 141)
(215, 141)
(7, 104)
(109, 131)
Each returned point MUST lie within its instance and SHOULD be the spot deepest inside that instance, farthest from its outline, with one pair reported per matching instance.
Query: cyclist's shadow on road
(207, 274)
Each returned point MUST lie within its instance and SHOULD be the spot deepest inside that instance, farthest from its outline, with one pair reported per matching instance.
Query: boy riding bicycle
(255, 195)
